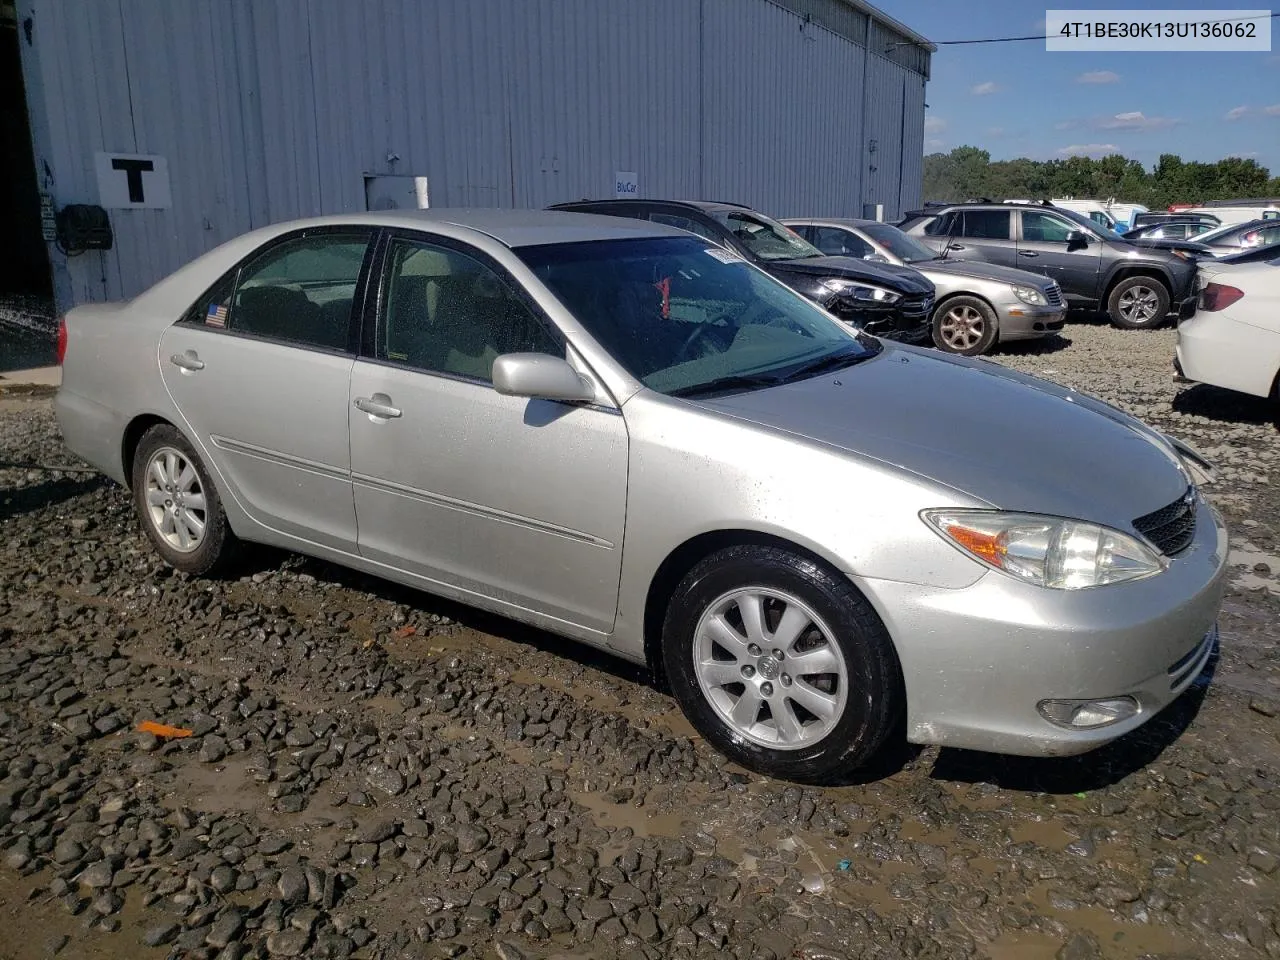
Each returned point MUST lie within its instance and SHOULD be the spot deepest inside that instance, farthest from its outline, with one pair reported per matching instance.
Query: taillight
(1218, 296)
(62, 340)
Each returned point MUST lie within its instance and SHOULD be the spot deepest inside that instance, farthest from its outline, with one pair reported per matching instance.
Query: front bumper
(978, 660)
(1022, 321)
(906, 323)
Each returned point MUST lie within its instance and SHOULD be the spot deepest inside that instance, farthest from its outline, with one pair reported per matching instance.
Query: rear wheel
(965, 325)
(781, 664)
(178, 504)
(1138, 303)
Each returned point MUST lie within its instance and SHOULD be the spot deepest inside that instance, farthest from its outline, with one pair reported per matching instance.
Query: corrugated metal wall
(268, 111)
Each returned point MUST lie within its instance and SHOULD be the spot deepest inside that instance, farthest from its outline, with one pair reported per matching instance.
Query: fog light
(1088, 714)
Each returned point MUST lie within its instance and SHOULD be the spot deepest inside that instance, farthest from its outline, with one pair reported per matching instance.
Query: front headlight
(1047, 551)
(858, 290)
(1031, 295)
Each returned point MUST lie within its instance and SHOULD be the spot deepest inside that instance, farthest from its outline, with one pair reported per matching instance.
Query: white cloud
(934, 125)
(1273, 110)
(934, 144)
(982, 89)
(995, 131)
(1235, 113)
(1088, 150)
(1137, 120)
(1066, 125)
(1098, 76)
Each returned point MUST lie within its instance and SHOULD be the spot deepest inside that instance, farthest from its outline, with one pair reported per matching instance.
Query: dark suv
(1137, 286)
(884, 300)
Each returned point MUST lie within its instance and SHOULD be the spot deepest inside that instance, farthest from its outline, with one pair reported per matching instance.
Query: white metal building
(193, 121)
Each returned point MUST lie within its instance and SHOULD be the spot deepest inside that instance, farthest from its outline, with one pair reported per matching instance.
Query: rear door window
(986, 224)
(840, 243)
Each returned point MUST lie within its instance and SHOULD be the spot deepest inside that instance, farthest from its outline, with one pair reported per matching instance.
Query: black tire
(1138, 303)
(964, 325)
(873, 701)
(217, 543)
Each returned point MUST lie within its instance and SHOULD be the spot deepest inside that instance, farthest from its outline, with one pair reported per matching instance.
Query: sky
(1018, 100)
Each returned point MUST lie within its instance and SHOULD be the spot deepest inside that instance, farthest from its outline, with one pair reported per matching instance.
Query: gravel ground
(371, 772)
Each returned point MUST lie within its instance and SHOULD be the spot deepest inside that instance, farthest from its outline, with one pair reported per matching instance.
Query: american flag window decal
(217, 315)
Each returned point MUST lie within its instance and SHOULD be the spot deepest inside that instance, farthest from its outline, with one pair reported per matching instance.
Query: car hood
(1013, 441)
(1170, 243)
(983, 271)
(902, 279)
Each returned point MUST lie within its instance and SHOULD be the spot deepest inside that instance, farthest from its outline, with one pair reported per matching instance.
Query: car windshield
(766, 239)
(898, 243)
(685, 317)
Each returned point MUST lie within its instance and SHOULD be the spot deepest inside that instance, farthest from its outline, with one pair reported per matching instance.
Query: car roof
(513, 228)
(834, 221)
(707, 206)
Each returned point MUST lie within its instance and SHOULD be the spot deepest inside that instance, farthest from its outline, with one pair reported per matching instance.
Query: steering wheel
(700, 331)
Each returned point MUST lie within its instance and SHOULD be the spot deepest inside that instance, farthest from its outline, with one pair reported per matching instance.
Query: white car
(1233, 340)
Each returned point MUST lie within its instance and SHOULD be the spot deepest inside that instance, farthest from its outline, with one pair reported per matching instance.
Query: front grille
(1171, 528)
(916, 306)
(1054, 295)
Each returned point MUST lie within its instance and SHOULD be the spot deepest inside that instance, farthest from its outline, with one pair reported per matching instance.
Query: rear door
(1042, 247)
(259, 370)
(976, 234)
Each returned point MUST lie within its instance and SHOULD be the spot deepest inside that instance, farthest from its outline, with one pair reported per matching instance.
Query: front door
(259, 371)
(1042, 247)
(520, 501)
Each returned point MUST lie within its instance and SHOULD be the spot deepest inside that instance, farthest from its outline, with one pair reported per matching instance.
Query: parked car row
(624, 433)
(870, 273)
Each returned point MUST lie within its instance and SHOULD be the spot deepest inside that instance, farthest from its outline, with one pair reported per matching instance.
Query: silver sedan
(618, 432)
(978, 304)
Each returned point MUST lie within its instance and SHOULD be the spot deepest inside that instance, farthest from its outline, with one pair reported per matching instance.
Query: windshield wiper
(832, 361)
(732, 382)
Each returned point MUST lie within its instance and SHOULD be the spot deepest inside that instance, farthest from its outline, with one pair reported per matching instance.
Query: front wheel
(1138, 303)
(781, 664)
(965, 325)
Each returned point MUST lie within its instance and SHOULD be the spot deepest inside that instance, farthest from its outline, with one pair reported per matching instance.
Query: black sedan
(883, 299)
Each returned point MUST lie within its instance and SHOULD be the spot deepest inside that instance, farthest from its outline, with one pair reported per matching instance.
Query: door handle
(379, 405)
(189, 361)
(1027, 253)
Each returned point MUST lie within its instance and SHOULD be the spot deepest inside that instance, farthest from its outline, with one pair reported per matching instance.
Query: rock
(293, 886)
(288, 943)
(225, 929)
(506, 950)
(67, 851)
(97, 875)
(377, 831)
(386, 780)
(333, 946)
(212, 749)
(471, 838)
(1266, 707)
(160, 934)
(1080, 946)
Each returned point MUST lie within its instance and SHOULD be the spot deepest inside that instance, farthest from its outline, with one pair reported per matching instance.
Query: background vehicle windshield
(898, 243)
(678, 313)
(765, 238)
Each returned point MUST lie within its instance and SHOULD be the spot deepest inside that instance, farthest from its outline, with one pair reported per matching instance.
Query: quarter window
(299, 291)
(447, 312)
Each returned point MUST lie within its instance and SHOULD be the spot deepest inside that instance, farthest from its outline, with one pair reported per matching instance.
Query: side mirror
(1076, 240)
(539, 376)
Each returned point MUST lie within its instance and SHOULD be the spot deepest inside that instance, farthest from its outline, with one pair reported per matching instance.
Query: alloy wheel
(175, 499)
(770, 668)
